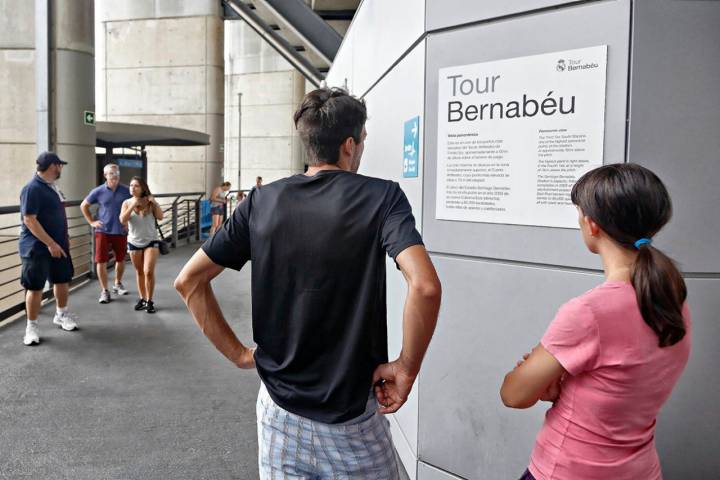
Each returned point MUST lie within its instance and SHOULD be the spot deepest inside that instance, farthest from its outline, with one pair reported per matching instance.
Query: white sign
(514, 135)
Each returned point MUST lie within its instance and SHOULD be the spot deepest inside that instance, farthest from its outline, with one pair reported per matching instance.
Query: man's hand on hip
(246, 360)
(392, 383)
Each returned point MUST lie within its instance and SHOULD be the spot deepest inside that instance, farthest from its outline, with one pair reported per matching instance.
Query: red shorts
(103, 244)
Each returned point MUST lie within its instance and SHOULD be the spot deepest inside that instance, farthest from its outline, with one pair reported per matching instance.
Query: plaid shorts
(295, 447)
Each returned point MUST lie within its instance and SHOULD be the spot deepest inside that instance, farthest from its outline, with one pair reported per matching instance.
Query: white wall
(375, 42)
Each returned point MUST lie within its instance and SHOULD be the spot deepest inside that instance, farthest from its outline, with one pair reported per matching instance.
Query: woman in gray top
(139, 214)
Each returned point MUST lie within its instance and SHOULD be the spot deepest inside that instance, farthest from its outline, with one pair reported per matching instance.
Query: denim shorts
(217, 209)
(527, 476)
(295, 447)
(135, 248)
(39, 268)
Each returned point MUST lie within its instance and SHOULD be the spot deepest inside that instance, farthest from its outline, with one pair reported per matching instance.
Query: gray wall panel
(687, 432)
(675, 119)
(447, 13)
(428, 472)
(595, 23)
(492, 313)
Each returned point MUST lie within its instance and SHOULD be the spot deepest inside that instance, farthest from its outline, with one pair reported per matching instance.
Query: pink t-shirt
(603, 425)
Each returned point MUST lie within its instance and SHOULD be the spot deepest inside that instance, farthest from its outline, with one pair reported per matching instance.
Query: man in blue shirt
(109, 232)
(45, 245)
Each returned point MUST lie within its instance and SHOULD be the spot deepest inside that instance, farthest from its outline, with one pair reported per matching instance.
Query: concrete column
(72, 92)
(271, 90)
(17, 102)
(68, 81)
(161, 63)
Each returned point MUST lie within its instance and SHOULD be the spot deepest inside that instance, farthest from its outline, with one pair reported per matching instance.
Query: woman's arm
(126, 210)
(156, 209)
(536, 378)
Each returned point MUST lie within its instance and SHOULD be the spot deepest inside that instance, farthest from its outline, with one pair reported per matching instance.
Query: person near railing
(218, 200)
(140, 214)
(44, 246)
(109, 232)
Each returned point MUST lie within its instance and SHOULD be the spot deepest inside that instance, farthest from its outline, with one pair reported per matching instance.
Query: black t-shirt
(317, 246)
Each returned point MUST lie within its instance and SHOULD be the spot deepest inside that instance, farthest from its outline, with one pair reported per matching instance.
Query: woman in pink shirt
(611, 357)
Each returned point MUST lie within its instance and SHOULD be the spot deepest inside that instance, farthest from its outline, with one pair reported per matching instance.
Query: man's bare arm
(193, 284)
(419, 319)
(85, 209)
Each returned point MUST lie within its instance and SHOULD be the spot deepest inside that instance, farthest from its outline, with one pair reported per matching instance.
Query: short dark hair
(325, 119)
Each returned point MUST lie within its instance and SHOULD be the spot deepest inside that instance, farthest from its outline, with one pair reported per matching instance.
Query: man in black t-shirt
(317, 242)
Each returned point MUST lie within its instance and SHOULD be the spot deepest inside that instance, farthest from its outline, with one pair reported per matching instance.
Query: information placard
(514, 135)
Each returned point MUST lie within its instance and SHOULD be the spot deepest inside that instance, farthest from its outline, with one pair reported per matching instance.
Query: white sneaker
(104, 297)
(65, 321)
(119, 289)
(32, 333)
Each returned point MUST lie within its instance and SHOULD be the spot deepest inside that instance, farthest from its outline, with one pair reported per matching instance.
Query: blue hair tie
(642, 241)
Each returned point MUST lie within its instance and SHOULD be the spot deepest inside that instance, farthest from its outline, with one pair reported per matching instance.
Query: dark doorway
(131, 165)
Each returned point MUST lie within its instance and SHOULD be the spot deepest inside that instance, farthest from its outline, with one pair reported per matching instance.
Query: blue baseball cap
(46, 159)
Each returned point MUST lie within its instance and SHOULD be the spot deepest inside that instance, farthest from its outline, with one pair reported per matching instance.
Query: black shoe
(140, 305)
(150, 306)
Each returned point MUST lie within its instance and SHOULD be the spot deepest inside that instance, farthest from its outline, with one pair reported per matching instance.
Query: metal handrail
(183, 222)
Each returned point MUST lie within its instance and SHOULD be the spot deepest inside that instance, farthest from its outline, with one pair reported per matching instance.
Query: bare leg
(137, 261)
(33, 299)
(216, 221)
(151, 255)
(119, 271)
(61, 291)
(101, 269)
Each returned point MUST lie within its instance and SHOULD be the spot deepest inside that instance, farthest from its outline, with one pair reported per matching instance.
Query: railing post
(197, 220)
(174, 223)
(187, 221)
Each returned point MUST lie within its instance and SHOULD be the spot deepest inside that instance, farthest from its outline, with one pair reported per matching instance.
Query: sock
(32, 322)
(61, 310)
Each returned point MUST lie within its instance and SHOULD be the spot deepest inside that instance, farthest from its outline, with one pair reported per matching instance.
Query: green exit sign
(88, 117)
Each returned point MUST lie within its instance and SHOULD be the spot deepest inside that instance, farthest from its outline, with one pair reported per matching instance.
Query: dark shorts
(217, 209)
(527, 476)
(105, 242)
(37, 269)
(135, 248)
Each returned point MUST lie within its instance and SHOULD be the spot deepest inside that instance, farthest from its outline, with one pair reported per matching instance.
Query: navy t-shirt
(43, 200)
(110, 205)
(317, 246)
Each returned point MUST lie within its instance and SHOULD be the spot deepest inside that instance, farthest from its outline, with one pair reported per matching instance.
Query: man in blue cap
(45, 245)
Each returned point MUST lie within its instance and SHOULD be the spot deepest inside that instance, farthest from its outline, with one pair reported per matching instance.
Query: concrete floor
(130, 395)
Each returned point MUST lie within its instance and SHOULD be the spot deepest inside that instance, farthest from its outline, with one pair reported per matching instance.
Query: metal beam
(307, 25)
(346, 15)
(281, 45)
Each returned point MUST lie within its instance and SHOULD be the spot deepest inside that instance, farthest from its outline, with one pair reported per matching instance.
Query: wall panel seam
(144, 19)
(452, 475)
(550, 266)
(548, 8)
(149, 67)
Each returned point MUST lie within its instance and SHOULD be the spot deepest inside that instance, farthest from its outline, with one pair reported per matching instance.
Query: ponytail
(661, 293)
(629, 202)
